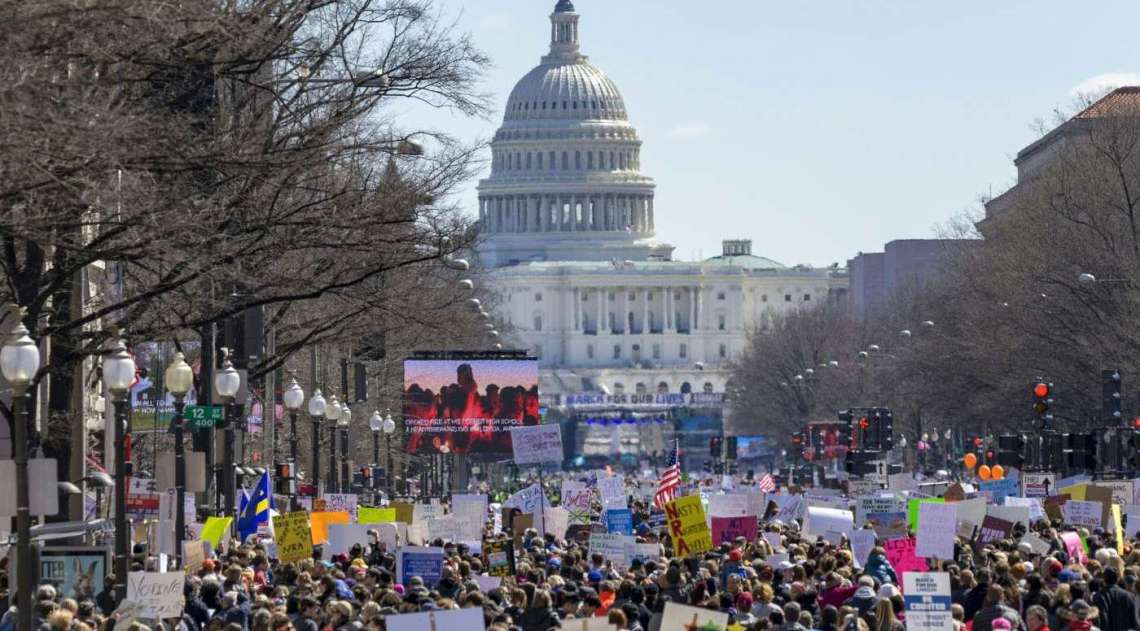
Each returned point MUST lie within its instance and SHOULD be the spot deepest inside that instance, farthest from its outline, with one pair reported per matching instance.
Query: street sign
(203, 416)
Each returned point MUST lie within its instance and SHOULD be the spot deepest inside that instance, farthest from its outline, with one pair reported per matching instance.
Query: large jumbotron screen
(468, 405)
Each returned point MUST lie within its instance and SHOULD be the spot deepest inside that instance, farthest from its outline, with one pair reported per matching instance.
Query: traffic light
(862, 427)
(844, 434)
(886, 430)
(1110, 399)
(714, 446)
(1080, 451)
(283, 478)
(1132, 450)
(1042, 401)
(1011, 451)
(730, 447)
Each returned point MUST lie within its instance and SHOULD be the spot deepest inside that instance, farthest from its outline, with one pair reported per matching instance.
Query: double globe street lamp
(332, 413)
(227, 382)
(343, 424)
(294, 398)
(316, 411)
(118, 375)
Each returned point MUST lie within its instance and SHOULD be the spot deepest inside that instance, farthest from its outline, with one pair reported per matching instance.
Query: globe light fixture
(20, 357)
(228, 380)
(317, 404)
(332, 408)
(389, 424)
(293, 396)
(375, 422)
(179, 376)
(118, 370)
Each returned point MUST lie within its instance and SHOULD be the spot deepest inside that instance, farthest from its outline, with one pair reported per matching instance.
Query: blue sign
(426, 563)
(1071, 481)
(619, 520)
(1000, 489)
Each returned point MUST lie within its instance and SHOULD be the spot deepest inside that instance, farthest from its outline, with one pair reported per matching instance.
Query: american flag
(766, 484)
(670, 479)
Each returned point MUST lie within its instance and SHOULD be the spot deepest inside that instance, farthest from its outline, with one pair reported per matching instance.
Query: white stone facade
(568, 226)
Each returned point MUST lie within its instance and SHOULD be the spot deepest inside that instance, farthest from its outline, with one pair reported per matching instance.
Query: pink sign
(726, 529)
(1074, 547)
(901, 554)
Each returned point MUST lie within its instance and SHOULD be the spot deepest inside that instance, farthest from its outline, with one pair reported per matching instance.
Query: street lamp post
(375, 423)
(332, 413)
(316, 413)
(389, 428)
(118, 374)
(345, 472)
(179, 380)
(227, 382)
(19, 361)
(293, 397)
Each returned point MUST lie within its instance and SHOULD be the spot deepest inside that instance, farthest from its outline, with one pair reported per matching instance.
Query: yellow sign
(214, 529)
(1118, 529)
(367, 515)
(687, 527)
(404, 511)
(320, 524)
(294, 540)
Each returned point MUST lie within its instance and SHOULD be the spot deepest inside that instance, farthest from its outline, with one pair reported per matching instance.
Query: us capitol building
(626, 337)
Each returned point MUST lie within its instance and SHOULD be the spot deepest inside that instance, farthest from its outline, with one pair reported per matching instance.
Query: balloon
(971, 461)
(997, 472)
(984, 472)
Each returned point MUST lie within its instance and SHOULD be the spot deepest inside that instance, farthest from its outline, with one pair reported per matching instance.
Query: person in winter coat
(879, 568)
(541, 615)
(864, 597)
(1116, 606)
(1079, 616)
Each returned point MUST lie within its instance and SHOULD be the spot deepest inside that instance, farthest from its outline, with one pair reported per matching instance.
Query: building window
(807, 297)
(584, 296)
(590, 160)
(619, 388)
(565, 161)
(722, 352)
(617, 351)
(538, 296)
(630, 322)
(578, 160)
(686, 388)
(528, 157)
(684, 352)
(787, 297)
(537, 323)
(763, 297)
(640, 388)
(538, 351)
(656, 351)
(611, 296)
(662, 388)
(676, 295)
(539, 160)
(720, 295)
(613, 322)
(649, 295)
(589, 351)
(552, 163)
(708, 387)
(632, 296)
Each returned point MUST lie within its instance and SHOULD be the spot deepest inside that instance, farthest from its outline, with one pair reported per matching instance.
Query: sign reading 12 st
(203, 415)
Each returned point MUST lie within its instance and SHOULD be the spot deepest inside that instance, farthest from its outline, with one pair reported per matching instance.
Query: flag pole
(542, 504)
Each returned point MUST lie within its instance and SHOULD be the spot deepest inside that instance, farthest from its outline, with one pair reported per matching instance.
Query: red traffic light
(977, 442)
(1041, 390)
(797, 439)
(1136, 423)
(864, 423)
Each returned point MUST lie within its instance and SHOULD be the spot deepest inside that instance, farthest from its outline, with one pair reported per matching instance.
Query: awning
(65, 530)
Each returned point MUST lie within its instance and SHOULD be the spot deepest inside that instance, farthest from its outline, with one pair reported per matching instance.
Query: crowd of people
(802, 584)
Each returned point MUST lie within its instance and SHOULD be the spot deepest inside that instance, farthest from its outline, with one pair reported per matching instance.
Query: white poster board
(160, 593)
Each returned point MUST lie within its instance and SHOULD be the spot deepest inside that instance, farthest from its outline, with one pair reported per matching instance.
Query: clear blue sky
(818, 129)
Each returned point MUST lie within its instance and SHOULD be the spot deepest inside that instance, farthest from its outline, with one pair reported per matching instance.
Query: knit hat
(1000, 624)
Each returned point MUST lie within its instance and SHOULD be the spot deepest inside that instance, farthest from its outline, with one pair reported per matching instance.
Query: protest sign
(499, 557)
(830, 524)
(788, 507)
(537, 444)
(1036, 512)
(868, 505)
(1036, 543)
(619, 521)
(678, 617)
(643, 551)
(727, 529)
(927, 599)
(319, 524)
(1074, 547)
(729, 505)
(1118, 529)
(993, 529)
(611, 546)
(75, 572)
(937, 526)
(215, 529)
(970, 514)
(687, 526)
(527, 500)
(369, 515)
(487, 583)
(391, 534)
(862, 542)
(426, 563)
(343, 536)
(424, 512)
(1010, 512)
(612, 491)
(591, 623)
(340, 503)
(901, 554)
(470, 619)
(997, 490)
(912, 509)
(405, 511)
(445, 527)
(576, 497)
(160, 593)
(774, 539)
(556, 520)
(294, 539)
(193, 556)
(1082, 513)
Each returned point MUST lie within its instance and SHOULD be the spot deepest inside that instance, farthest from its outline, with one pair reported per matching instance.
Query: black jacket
(535, 619)
(1117, 610)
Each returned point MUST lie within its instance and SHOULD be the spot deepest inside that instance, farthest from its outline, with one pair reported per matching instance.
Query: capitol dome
(565, 179)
